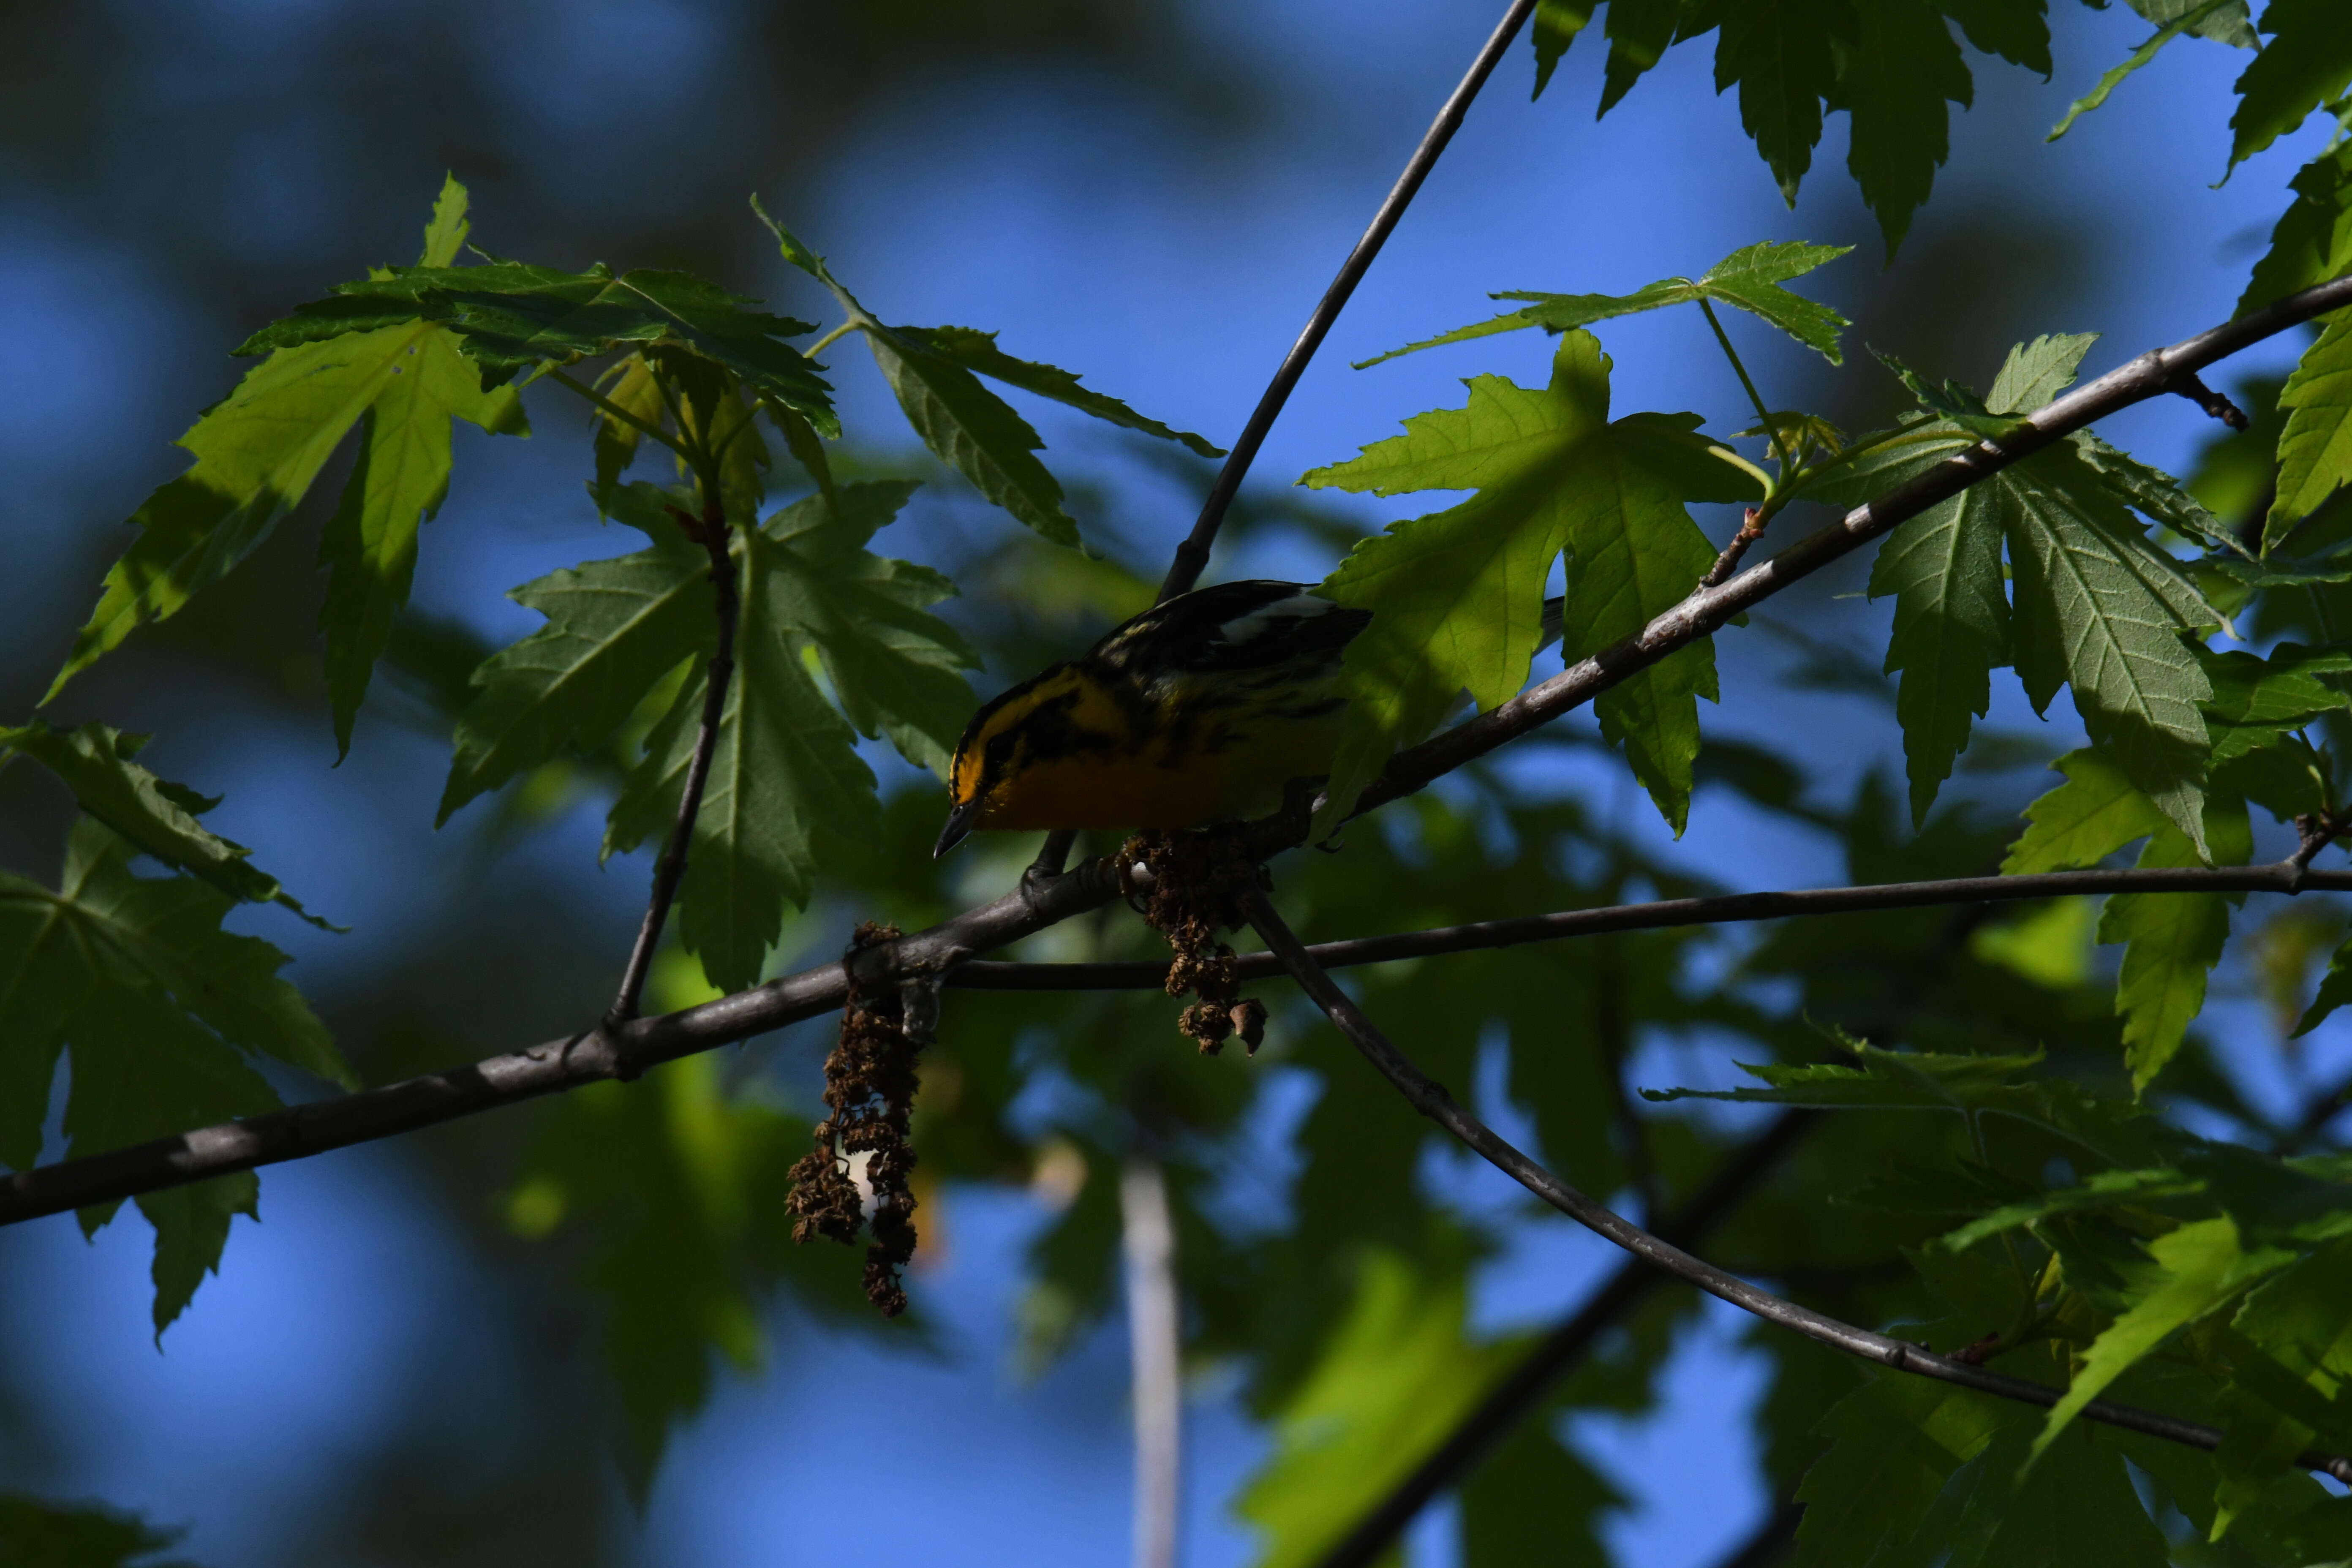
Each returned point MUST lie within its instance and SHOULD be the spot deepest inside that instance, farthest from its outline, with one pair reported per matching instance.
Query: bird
(1201, 710)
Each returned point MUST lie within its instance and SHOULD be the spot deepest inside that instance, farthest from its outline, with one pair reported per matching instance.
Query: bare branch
(1193, 556)
(1042, 901)
(671, 869)
(1430, 1099)
(2283, 876)
(1510, 1400)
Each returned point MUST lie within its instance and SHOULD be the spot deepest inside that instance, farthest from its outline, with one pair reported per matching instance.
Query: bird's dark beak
(960, 821)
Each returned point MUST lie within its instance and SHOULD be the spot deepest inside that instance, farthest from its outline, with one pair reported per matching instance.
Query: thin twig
(1520, 1389)
(1727, 909)
(1430, 1099)
(1155, 1351)
(1193, 556)
(2189, 384)
(671, 869)
(557, 1065)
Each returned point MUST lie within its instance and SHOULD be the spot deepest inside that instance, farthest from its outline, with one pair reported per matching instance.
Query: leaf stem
(671, 869)
(615, 411)
(834, 336)
(1763, 415)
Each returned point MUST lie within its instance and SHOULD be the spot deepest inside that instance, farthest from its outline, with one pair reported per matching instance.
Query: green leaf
(2231, 24)
(2281, 689)
(2174, 940)
(893, 667)
(2076, 1508)
(2196, 13)
(1457, 597)
(257, 452)
(785, 781)
(155, 1003)
(2096, 604)
(1639, 32)
(2314, 454)
(1783, 53)
(2154, 494)
(2198, 1268)
(158, 815)
(629, 385)
(2307, 62)
(52, 1535)
(2097, 607)
(1393, 1379)
(2105, 1192)
(1554, 27)
(1969, 1086)
(512, 317)
(2312, 240)
(2035, 373)
(1749, 278)
(1891, 1445)
(967, 426)
(1532, 1501)
(2094, 814)
(2335, 991)
(2016, 30)
(977, 351)
(1894, 83)
(614, 629)
(1951, 630)
(397, 486)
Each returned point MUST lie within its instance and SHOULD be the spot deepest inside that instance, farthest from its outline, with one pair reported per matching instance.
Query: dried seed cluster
(869, 1096)
(1188, 888)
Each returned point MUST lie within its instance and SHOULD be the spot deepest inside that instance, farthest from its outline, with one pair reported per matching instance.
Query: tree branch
(1510, 1401)
(1193, 556)
(671, 869)
(1040, 902)
(2282, 877)
(1430, 1099)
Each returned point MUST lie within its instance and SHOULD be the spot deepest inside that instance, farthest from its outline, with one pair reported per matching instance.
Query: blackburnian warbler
(1201, 710)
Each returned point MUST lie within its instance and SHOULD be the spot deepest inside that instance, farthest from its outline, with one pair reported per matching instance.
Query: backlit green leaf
(2312, 240)
(2314, 454)
(1783, 53)
(2199, 1267)
(2198, 12)
(158, 815)
(2173, 941)
(158, 1008)
(512, 317)
(1392, 1381)
(1902, 67)
(1457, 597)
(1554, 27)
(2094, 814)
(613, 628)
(2306, 62)
(977, 351)
(1751, 278)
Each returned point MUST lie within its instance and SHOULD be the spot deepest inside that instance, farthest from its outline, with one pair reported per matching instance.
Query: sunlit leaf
(1457, 597)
